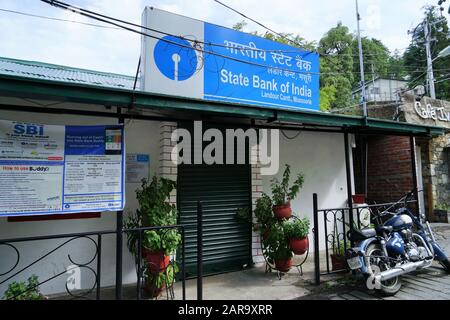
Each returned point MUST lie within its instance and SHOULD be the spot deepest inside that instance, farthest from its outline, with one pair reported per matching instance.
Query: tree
(415, 58)
(336, 67)
(376, 60)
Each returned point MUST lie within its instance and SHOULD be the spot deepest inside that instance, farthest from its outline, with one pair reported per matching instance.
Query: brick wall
(257, 190)
(167, 168)
(389, 168)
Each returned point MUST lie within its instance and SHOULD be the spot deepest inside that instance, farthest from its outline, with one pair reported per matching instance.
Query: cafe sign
(427, 111)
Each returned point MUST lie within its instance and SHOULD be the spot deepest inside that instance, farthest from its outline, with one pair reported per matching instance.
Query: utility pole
(361, 63)
(430, 74)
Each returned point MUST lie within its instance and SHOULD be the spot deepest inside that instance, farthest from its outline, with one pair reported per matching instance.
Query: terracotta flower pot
(359, 198)
(299, 246)
(282, 212)
(338, 263)
(153, 291)
(283, 265)
(156, 260)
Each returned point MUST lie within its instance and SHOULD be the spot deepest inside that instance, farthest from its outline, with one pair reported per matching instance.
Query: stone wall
(439, 169)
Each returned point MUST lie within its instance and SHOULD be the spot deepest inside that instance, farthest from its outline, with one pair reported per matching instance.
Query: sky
(117, 51)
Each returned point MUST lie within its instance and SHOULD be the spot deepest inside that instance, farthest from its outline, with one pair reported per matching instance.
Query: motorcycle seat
(359, 235)
(387, 229)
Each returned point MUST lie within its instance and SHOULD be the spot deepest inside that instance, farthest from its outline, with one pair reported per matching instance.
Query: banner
(51, 169)
(200, 60)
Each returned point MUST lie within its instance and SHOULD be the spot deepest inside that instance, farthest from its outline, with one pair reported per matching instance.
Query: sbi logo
(175, 58)
(28, 129)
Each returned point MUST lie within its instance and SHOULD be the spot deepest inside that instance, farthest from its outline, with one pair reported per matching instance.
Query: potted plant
(338, 261)
(155, 283)
(276, 248)
(282, 194)
(157, 245)
(297, 235)
(25, 290)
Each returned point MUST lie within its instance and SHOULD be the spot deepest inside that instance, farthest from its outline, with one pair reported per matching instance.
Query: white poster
(137, 167)
(49, 169)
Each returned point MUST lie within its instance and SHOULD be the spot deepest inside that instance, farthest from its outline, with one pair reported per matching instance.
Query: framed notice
(137, 167)
(51, 169)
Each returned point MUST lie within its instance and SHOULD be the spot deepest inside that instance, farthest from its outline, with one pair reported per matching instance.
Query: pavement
(257, 284)
(430, 284)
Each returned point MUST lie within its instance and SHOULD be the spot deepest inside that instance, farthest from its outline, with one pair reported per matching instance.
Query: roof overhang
(23, 87)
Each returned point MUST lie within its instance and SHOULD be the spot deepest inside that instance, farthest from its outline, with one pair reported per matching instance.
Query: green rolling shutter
(226, 239)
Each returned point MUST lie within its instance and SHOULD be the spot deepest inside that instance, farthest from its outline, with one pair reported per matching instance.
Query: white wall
(141, 137)
(321, 157)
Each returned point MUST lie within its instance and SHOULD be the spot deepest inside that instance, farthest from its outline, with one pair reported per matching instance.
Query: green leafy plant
(263, 213)
(25, 290)
(244, 214)
(297, 229)
(276, 244)
(338, 248)
(442, 206)
(282, 193)
(154, 210)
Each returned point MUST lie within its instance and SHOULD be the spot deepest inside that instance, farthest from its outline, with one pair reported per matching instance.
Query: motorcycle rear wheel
(446, 264)
(389, 287)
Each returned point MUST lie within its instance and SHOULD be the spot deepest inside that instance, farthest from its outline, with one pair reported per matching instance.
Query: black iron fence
(331, 227)
(93, 264)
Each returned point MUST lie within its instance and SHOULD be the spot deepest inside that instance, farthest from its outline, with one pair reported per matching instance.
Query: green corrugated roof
(46, 71)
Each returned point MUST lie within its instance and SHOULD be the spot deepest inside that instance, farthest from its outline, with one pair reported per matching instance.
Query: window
(375, 90)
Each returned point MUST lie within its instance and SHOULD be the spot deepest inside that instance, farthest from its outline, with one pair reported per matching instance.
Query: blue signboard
(216, 63)
(272, 74)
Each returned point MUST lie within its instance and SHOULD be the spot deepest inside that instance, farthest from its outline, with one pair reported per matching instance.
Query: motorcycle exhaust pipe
(401, 270)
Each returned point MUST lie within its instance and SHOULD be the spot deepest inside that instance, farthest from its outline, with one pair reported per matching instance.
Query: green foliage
(338, 247)
(263, 214)
(154, 210)
(442, 206)
(336, 66)
(154, 207)
(327, 97)
(298, 229)
(276, 244)
(376, 60)
(244, 214)
(281, 192)
(24, 290)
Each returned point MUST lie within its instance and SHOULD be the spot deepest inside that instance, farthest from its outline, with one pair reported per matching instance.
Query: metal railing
(93, 265)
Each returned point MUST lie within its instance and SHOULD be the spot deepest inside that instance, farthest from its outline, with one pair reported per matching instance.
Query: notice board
(55, 169)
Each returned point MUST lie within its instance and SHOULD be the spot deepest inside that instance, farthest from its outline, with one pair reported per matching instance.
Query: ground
(255, 284)
(430, 284)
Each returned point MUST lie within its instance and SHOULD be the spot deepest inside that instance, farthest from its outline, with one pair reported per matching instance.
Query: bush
(24, 290)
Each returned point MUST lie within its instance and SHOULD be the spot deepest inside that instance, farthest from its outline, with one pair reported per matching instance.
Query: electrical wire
(290, 138)
(92, 15)
(57, 19)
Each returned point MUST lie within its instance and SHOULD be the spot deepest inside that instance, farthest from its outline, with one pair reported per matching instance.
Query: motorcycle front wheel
(375, 253)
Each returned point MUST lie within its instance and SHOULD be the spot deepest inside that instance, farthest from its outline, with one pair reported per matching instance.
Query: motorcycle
(400, 243)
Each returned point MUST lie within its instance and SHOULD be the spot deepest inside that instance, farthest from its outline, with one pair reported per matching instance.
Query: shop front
(188, 96)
